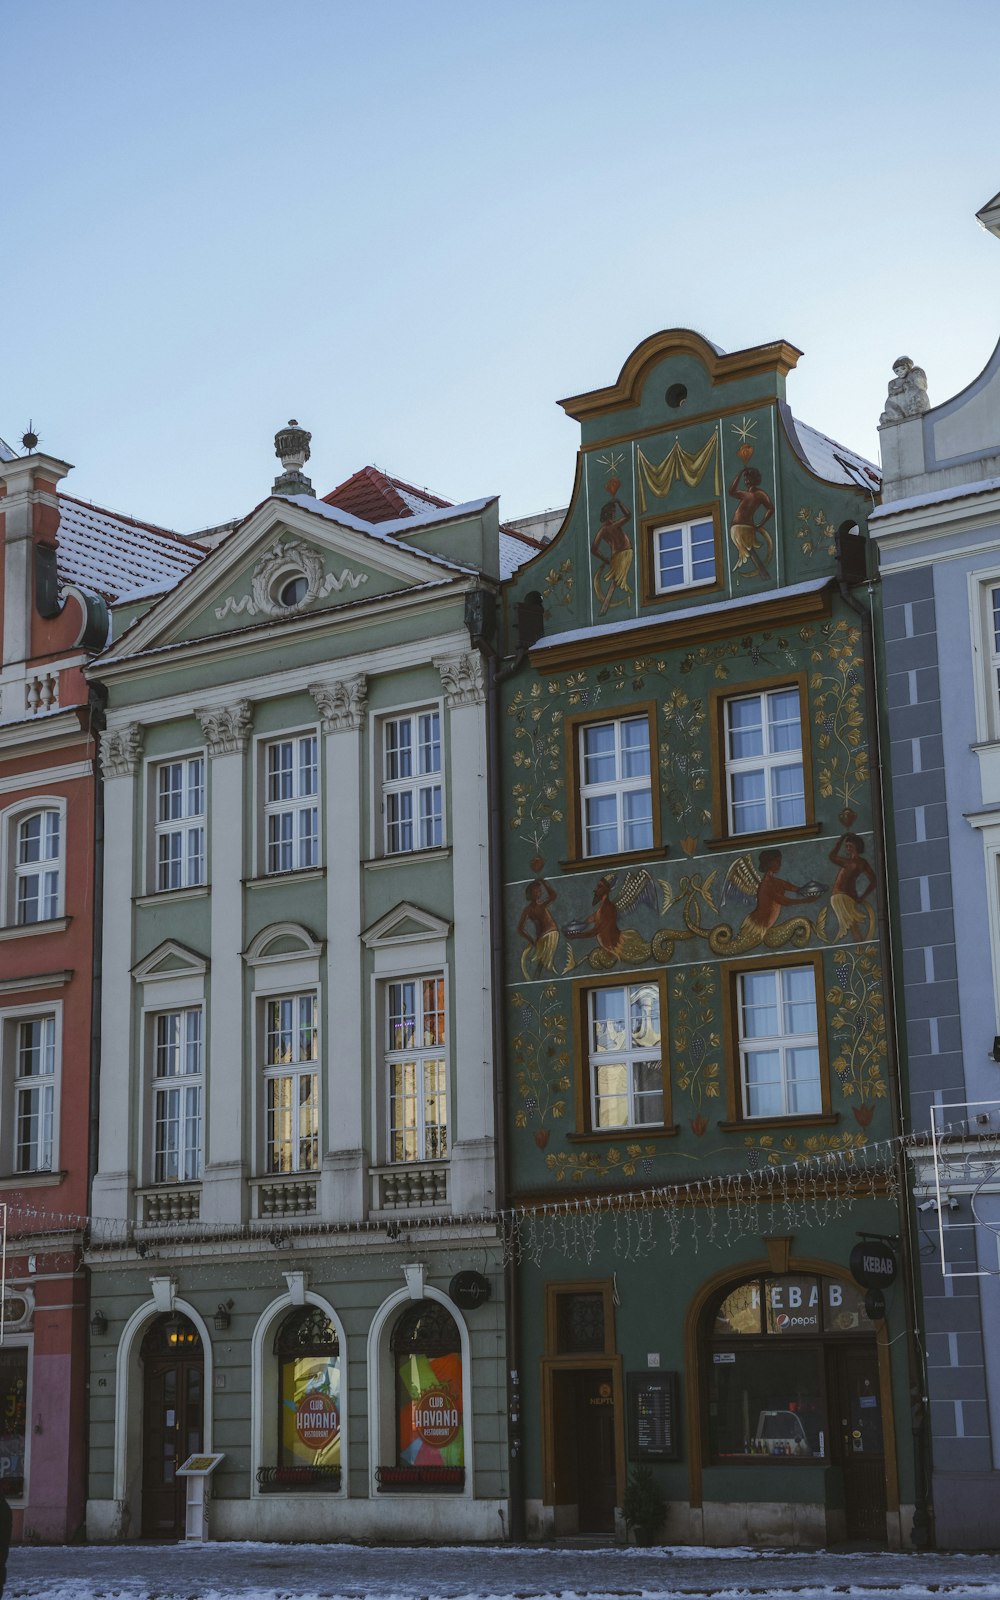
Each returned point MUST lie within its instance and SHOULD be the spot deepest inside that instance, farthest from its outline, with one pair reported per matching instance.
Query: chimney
(29, 514)
(291, 446)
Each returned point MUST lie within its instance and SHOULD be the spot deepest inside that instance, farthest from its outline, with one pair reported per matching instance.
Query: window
(769, 1370)
(36, 867)
(417, 1067)
(291, 810)
(779, 1044)
(309, 1403)
(411, 782)
(684, 555)
(430, 1438)
(177, 1083)
(764, 772)
(626, 1069)
(180, 823)
(35, 1094)
(291, 1051)
(616, 795)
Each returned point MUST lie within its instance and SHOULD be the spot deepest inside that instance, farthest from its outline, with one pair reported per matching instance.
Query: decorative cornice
(121, 751)
(462, 677)
(778, 358)
(342, 703)
(287, 558)
(227, 728)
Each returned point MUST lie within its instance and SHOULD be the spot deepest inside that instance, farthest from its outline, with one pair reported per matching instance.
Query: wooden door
(173, 1408)
(858, 1439)
(595, 1443)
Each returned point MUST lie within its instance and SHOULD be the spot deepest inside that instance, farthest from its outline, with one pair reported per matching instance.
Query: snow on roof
(631, 624)
(116, 556)
(6, 453)
(936, 497)
(515, 550)
(386, 530)
(834, 461)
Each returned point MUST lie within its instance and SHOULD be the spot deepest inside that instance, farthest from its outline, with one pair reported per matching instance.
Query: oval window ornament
(294, 590)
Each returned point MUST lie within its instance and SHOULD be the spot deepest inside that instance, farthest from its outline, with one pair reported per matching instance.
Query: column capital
(342, 702)
(462, 677)
(121, 750)
(227, 728)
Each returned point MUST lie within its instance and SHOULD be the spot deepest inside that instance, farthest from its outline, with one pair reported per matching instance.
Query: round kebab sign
(317, 1421)
(436, 1417)
(873, 1264)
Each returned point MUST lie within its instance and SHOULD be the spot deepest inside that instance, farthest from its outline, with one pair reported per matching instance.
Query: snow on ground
(249, 1571)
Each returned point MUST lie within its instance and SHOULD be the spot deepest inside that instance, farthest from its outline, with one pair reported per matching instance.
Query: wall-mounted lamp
(222, 1318)
(98, 1323)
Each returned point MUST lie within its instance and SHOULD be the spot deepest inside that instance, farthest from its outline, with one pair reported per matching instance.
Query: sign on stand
(197, 1470)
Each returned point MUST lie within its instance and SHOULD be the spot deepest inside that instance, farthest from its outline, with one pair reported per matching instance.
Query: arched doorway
(173, 1401)
(790, 1370)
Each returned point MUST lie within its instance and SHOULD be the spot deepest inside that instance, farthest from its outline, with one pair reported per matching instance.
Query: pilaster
(224, 1196)
(342, 705)
(473, 1180)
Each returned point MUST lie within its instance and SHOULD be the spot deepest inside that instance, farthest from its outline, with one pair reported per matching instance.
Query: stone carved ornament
(227, 728)
(462, 677)
(342, 703)
(907, 395)
(285, 559)
(121, 751)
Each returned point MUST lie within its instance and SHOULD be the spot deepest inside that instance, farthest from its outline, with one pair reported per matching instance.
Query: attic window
(676, 395)
(292, 591)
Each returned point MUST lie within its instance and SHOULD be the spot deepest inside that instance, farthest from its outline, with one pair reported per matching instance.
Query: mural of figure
(772, 893)
(602, 923)
(747, 530)
(538, 927)
(767, 895)
(847, 897)
(612, 548)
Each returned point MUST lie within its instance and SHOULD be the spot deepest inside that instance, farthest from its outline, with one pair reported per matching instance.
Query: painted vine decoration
(695, 1042)
(775, 1151)
(838, 715)
(683, 767)
(815, 532)
(557, 589)
(541, 1060)
(579, 1164)
(857, 1030)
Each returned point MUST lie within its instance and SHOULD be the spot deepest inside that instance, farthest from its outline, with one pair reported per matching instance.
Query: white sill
(24, 930)
(197, 891)
(438, 852)
(31, 1180)
(296, 875)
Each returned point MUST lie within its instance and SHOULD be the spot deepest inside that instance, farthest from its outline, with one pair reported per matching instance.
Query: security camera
(953, 1202)
(927, 1205)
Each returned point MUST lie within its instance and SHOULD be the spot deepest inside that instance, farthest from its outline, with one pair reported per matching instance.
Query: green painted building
(699, 1073)
(297, 1088)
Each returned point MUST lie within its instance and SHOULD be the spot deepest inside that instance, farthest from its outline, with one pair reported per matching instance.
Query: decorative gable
(170, 960)
(405, 924)
(289, 576)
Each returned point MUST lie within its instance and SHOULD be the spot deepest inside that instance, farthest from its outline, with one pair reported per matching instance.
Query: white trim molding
(263, 1394)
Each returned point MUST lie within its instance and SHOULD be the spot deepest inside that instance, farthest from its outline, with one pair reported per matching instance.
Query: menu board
(653, 1431)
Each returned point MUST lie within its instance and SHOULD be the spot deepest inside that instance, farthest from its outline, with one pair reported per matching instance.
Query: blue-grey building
(938, 534)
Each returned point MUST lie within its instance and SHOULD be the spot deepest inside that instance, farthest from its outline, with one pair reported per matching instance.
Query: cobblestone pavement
(355, 1572)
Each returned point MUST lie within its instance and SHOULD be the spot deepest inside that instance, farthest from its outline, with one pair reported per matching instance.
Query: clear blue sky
(415, 224)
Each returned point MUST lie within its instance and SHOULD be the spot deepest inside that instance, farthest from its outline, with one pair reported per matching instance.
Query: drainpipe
(922, 1524)
(97, 700)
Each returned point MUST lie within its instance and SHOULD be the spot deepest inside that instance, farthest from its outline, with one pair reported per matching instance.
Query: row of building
(482, 1013)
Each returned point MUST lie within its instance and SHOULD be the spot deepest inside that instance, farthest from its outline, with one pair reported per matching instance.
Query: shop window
(307, 1354)
(768, 1364)
(426, 1353)
(13, 1419)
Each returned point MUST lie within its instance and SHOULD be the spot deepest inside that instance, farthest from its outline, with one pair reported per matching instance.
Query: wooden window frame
(737, 1119)
(576, 859)
(649, 527)
(582, 1093)
(588, 1358)
(725, 839)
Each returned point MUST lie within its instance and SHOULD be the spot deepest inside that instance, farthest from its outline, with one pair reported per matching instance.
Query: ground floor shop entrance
(583, 1424)
(855, 1410)
(173, 1380)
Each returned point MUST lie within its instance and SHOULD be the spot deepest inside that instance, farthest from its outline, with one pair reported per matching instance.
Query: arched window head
(171, 1335)
(430, 1437)
(426, 1328)
(307, 1351)
(306, 1332)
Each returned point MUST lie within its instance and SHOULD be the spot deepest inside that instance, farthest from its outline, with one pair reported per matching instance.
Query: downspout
(922, 1532)
(97, 700)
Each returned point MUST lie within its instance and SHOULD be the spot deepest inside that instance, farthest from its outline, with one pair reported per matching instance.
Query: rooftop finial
(291, 446)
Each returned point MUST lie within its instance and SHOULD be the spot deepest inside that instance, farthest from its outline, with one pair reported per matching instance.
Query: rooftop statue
(907, 395)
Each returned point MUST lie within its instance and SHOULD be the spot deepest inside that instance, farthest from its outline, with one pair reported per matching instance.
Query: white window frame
(629, 1055)
(16, 872)
(186, 825)
(414, 785)
(296, 805)
(421, 1057)
(782, 1042)
(686, 531)
(14, 1084)
(986, 657)
(295, 1070)
(182, 1083)
(768, 762)
(619, 786)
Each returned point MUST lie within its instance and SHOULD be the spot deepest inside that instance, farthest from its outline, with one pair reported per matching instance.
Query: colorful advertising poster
(310, 1412)
(13, 1392)
(429, 1399)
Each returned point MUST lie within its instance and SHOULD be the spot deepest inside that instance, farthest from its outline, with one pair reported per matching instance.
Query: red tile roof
(375, 497)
